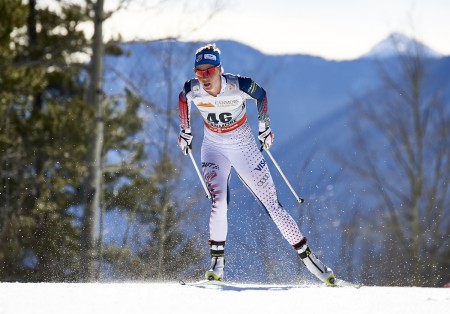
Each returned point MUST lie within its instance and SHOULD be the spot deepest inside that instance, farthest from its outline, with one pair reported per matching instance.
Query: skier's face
(209, 77)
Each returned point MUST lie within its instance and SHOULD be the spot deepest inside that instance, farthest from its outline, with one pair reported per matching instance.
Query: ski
(339, 283)
(203, 282)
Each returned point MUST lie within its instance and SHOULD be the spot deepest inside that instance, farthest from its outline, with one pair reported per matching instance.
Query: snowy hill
(398, 43)
(121, 298)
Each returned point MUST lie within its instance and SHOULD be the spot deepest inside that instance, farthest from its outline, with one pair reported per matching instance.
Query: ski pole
(208, 195)
(299, 200)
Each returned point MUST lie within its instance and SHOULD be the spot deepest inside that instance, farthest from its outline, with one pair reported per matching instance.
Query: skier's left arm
(248, 86)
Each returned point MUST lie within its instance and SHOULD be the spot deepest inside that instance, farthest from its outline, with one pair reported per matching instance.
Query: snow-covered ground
(48, 298)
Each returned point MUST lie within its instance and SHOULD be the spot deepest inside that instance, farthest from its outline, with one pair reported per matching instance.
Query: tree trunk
(93, 183)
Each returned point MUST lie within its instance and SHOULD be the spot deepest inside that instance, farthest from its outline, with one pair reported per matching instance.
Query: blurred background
(93, 184)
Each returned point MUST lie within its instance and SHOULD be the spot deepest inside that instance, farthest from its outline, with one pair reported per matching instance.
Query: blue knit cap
(207, 57)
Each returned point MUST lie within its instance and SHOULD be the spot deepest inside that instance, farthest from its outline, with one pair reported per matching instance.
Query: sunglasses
(207, 72)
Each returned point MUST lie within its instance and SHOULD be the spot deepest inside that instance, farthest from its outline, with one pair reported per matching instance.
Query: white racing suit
(228, 142)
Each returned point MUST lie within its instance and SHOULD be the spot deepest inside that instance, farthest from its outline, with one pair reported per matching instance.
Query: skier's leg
(313, 264)
(216, 169)
(252, 168)
(215, 271)
(254, 172)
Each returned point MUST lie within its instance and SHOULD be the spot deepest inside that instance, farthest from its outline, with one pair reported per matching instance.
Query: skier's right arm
(185, 137)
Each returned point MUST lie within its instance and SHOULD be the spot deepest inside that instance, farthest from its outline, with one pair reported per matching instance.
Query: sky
(332, 29)
(122, 298)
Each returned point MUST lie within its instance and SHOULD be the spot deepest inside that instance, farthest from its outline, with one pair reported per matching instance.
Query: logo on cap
(210, 56)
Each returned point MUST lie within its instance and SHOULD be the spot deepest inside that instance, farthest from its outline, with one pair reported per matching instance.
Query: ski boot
(315, 266)
(215, 271)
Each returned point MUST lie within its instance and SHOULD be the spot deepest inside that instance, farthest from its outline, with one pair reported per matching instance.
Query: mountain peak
(398, 43)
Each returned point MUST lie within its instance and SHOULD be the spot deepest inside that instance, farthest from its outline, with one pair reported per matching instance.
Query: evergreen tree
(42, 126)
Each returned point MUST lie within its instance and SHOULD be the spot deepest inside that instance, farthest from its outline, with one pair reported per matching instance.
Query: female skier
(228, 142)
